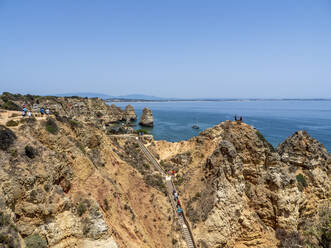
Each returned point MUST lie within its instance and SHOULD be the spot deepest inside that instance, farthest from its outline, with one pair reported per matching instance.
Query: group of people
(42, 111)
(179, 208)
(238, 119)
(175, 195)
(27, 112)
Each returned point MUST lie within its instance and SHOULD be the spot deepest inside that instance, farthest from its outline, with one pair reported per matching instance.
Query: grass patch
(301, 180)
(155, 181)
(10, 105)
(51, 126)
(12, 123)
(35, 241)
(105, 201)
(81, 208)
(141, 130)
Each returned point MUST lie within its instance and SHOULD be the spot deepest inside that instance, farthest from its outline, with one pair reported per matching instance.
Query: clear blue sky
(172, 48)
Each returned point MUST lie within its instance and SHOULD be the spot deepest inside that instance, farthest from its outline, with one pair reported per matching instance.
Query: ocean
(276, 120)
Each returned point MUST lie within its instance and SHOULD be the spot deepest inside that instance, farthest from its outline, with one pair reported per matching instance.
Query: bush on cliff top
(141, 131)
(7, 138)
(10, 105)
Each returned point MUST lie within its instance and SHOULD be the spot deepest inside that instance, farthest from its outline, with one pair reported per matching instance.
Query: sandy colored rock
(146, 118)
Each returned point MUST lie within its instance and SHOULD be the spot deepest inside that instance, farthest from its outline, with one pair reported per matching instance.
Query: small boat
(195, 127)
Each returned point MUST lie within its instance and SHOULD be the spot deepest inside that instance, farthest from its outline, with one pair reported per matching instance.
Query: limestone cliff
(65, 183)
(93, 110)
(238, 191)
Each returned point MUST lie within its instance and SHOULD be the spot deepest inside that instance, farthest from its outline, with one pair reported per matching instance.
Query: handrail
(189, 237)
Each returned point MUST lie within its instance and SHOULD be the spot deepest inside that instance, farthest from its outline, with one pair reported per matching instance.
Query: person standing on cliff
(29, 114)
(47, 111)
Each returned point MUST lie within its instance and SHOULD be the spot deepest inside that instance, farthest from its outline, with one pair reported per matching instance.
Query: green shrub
(30, 151)
(106, 204)
(147, 166)
(10, 105)
(317, 233)
(81, 208)
(74, 123)
(302, 183)
(4, 219)
(7, 138)
(12, 123)
(155, 181)
(141, 131)
(51, 126)
(35, 241)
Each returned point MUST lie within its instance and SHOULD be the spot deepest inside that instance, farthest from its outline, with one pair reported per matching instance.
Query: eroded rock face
(93, 110)
(238, 191)
(304, 151)
(130, 114)
(80, 189)
(146, 118)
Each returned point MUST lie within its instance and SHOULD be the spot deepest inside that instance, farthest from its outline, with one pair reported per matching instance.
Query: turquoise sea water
(276, 120)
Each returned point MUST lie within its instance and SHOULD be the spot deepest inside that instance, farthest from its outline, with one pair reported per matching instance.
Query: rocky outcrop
(146, 118)
(130, 114)
(93, 110)
(81, 188)
(304, 151)
(238, 191)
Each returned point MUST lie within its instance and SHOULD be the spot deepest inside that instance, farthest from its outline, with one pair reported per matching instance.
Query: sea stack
(130, 114)
(146, 118)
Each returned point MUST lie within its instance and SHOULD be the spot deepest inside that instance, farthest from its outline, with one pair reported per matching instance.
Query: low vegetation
(35, 241)
(8, 232)
(81, 208)
(12, 123)
(7, 137)
(10, 105)
(51, 126)
(301, 180)
(156, 181)
(30, 151)
(144, 131)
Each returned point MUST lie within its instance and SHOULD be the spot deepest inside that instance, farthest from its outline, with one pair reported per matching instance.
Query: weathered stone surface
(130, 114)
(238, 191)
(82, 189)
(146, 118)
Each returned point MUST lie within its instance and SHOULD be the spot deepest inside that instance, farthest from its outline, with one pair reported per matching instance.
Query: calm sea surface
(276, 120)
